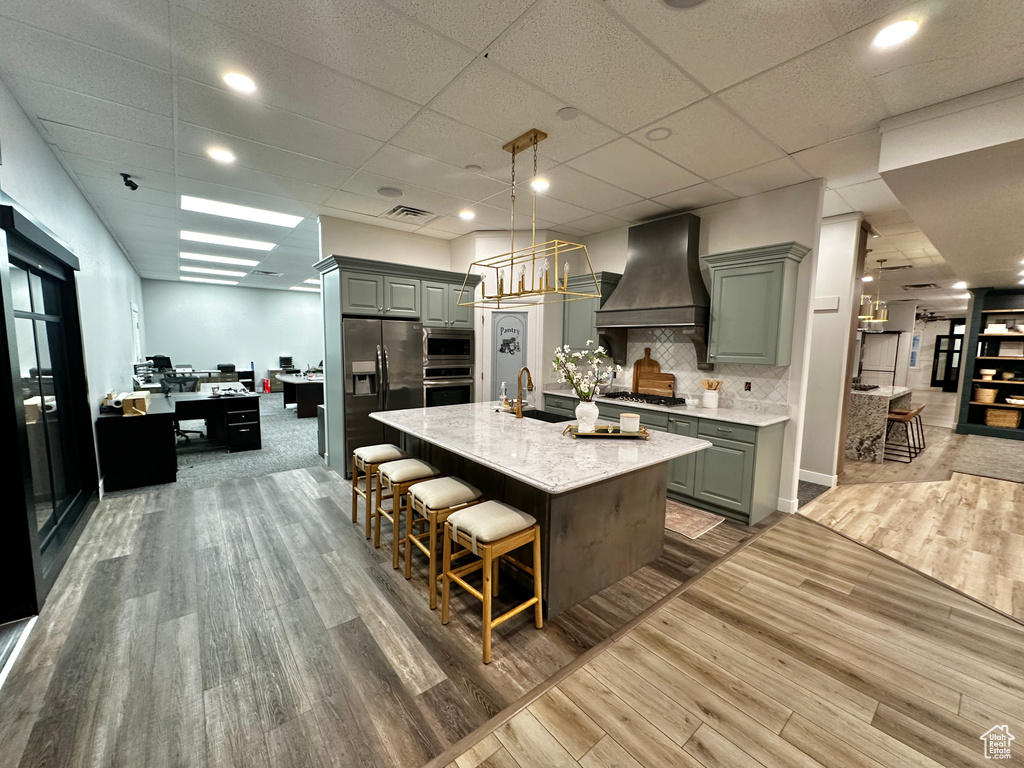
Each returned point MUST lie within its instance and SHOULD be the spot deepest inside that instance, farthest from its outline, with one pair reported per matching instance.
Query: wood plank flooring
(967, 532)
(803, 650)
(935, 463)
(251, 624)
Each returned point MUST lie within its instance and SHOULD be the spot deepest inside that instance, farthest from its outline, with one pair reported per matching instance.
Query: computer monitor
(160, 362)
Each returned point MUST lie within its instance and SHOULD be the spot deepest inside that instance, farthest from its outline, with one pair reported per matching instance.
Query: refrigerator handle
(380, 380)
(387, 377)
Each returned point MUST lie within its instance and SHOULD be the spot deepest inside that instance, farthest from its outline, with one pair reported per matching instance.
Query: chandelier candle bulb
(565, 281)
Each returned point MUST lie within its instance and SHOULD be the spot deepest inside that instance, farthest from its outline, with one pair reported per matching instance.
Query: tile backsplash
(676, 354)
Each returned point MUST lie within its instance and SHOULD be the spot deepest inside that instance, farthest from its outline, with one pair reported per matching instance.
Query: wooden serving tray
(607, 430)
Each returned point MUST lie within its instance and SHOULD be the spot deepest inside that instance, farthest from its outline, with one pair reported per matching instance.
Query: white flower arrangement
(586, 370)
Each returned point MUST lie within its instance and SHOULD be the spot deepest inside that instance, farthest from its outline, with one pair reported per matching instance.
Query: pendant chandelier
(528, 275)
(874, 311)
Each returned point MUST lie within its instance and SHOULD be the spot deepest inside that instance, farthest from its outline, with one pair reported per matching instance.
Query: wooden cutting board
(644, 366)
(663, 384)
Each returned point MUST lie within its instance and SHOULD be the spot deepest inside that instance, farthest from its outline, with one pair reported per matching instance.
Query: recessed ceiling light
(221, 155)
(867, 279)
(389, 192)
(681, 4)
(207, 280)
(963, 296)
(218, 259)
(539, 184)
(895, 34)
(231, 211)
(959, 285)
(313, 281)
(208, 271)
(473, 168)
(658, 134)
(467, 215)
(240, 82)
(568, 113)
(234, 242)
(303, 288)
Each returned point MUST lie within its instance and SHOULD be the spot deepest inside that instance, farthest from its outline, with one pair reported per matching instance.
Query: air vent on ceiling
(897, 267)
(409, 215)
(920, 287)
(262, 273)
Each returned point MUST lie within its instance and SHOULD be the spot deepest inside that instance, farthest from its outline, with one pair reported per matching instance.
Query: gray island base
(600, 503)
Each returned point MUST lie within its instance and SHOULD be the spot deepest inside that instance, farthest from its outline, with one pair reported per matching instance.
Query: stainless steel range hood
(661, 285)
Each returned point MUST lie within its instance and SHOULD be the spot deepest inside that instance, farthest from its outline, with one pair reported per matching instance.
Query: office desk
(141, 450)
(307, 394)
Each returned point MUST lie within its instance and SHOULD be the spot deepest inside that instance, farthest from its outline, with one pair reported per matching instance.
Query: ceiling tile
(366, 184)
(569, 231)
(645, 209)
(834, 205)
(240, 196)
(497, 217)
(350, 201)
(473, 24)
(497, 102)
(366, 40)
(386, 223)
(763, 178)
(548, 208)
(810, 100)
(288, 81)
(709, 140)
(115, 206)
(630, 166)
(870, 197)
(843, 162)
(456, 226)
(133, 157)
(599, 222)
(29, 52)
(897, 229)
(757, 35)
(594, 63)
(220, 111)
(847, 15)
(438, 233)
(697, 196)
(889, 217)
(587, 191)
(960, 48)
(204, 169)
(401, 164)
(110, 173)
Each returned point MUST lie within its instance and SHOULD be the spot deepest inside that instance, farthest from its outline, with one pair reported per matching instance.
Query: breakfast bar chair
(491, 530)
(365, 461)
(913, 431)
(394, 479)
(431, 502)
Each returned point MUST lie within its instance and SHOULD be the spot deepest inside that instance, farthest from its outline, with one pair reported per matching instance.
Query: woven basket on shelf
(985, 395)
(1000, 417)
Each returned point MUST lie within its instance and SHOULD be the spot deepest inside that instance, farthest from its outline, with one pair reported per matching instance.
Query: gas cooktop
(636, 397)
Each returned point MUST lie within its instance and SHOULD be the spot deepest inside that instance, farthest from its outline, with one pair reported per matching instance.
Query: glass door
(946, 364)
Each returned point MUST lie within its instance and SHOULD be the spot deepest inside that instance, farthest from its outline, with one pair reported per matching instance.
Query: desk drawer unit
(243, 431)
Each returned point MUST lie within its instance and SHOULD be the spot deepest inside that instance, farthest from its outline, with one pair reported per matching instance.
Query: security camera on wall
(128, 182)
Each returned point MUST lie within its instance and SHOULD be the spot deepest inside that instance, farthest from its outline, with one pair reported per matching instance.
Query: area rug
(991, 457)
(689, 521)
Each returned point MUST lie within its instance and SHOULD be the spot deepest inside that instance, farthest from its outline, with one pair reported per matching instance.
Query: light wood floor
(252, 625)
(967, 532)
(935, 463)
(803, 650)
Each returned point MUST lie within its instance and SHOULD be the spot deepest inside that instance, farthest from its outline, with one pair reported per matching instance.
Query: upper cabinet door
(434, 298)
(362, 294)
(401, 297)
(458, 315)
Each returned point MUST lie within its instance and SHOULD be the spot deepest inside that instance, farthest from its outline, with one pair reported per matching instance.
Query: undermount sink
(551, 418)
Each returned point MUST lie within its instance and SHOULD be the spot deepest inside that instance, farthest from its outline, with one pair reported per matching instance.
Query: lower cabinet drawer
(557, 404)
(242, 436)
(240, 417)
(741, 433)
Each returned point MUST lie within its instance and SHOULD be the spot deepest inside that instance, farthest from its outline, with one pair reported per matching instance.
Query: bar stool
(365, 461)
(491, 530)
(913, 430)
(433, 501)
(397, 477)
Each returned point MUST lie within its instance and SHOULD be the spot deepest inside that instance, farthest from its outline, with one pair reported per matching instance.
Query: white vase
(586, 415)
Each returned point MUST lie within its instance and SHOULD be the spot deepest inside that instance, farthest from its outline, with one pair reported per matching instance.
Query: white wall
(901, 318)
(921, 376)
(107, 283)
(209, 324)
(339, 237)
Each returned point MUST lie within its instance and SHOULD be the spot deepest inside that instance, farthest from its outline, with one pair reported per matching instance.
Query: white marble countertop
(887, 392)
(750, 418)
(534, 451)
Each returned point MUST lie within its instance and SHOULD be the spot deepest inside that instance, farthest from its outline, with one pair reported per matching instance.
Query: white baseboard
(788, 505)
(818, 478)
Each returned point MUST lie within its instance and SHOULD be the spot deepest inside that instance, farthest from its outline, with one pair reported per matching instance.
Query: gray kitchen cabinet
(724, 475)
(362, 294)
(458, 315)
(578, 321)
(680, 471)
(401, 297)
(434, 302)
(563, 406)
(753, 303)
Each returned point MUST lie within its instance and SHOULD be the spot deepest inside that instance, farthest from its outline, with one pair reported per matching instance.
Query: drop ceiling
(352, 96)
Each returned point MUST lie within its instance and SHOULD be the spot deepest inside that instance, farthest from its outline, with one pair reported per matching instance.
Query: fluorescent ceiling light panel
(207, 280)
(234, 242)
(304, 288)
(232, 211)
(217, 259)
(208, 271)
(312, 281)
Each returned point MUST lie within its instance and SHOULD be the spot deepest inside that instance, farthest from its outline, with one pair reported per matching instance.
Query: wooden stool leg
(538, 609)
(410, 513)
(376, 514)
(486, 592)
(494, 576)
(432, 546)
(371, 473)
(446, 564)
(355, 482)
(396, 513)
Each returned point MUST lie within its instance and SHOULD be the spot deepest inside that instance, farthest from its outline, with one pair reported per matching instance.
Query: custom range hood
(661, 286)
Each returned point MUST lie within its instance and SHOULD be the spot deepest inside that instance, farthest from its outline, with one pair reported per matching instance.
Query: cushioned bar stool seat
(491, 530)
(913, 433)
(431, 502)
(394, 479)
(365, 461)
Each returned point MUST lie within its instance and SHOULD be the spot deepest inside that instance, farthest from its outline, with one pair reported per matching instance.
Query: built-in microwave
(447, 385)
(447, 348)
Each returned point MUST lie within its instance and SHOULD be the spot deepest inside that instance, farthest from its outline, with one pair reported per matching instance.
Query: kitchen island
(867, 421)
(600, 503)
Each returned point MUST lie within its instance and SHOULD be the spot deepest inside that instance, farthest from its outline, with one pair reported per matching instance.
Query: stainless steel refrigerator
(383, 369)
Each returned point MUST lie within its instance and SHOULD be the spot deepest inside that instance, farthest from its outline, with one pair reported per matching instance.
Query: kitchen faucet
(529, 388)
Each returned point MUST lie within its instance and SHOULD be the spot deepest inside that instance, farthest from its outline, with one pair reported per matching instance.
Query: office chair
(226, 367)
(182, 383)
